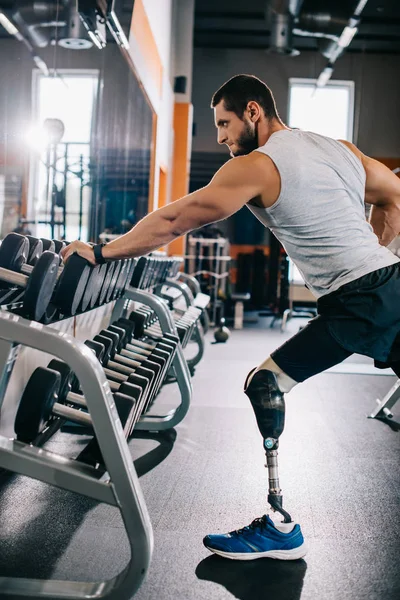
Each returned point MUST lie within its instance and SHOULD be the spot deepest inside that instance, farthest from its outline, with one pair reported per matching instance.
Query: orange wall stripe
(162, 190)
(392, 163)
(142, 32)
(183, 113)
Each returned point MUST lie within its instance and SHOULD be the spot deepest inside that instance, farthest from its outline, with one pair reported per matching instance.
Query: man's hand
(81, 248)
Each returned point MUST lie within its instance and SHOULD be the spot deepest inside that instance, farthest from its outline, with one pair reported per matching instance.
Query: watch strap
(98, 254)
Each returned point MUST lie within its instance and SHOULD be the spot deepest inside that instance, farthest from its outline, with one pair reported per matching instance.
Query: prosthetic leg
(269, 406)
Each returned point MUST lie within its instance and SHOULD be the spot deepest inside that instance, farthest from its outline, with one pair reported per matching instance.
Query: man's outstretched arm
(237, 182)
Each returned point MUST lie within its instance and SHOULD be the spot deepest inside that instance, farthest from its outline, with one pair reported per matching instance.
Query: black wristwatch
(98, 254)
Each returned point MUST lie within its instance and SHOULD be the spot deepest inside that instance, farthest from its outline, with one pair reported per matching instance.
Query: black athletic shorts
(362, 316)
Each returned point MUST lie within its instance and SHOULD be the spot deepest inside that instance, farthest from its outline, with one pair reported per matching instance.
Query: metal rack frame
(150, 422)
(120, 488)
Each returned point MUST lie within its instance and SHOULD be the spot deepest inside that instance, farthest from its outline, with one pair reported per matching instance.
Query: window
(327, 110)
(60, 173)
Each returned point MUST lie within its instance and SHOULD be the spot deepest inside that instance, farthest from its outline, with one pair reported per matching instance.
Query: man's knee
(285, 382)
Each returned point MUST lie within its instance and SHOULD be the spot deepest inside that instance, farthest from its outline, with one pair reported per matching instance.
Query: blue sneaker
(260, 539)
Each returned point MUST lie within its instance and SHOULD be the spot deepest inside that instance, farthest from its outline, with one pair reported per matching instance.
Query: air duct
(74, 36)
(38, 20)
(43, 22)
(281, 15)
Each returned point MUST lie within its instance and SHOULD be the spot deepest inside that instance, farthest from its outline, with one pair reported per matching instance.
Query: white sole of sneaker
(293, 554)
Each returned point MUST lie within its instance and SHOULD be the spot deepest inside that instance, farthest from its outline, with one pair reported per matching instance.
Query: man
(310, 191)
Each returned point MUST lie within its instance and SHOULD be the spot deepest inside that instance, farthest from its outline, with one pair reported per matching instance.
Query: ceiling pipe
(36, 19)
(342, 43)
(12, 30)
(280, 16)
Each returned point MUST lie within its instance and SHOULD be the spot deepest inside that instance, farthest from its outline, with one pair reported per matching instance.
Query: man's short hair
(238, 91)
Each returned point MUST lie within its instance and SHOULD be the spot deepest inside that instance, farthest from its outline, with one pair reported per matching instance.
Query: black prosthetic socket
(269, 406)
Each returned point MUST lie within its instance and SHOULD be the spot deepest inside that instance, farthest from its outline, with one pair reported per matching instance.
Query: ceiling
(241, 24)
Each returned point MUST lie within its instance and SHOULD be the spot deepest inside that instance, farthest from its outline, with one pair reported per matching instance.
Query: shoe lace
(258, 523)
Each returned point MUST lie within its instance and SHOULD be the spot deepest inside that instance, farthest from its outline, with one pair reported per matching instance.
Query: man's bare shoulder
(353, 148)
(262, 168)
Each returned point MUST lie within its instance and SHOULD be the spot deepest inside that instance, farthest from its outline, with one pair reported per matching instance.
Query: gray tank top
(319, 217)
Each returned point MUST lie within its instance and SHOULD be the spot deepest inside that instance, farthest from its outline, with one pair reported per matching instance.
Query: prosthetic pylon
(269, 406)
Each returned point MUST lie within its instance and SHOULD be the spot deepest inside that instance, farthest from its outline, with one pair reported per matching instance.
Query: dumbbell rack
(150, 422)
(198, 334)
(119, 487)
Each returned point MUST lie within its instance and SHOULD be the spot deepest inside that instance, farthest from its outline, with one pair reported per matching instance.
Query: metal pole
(80, 196)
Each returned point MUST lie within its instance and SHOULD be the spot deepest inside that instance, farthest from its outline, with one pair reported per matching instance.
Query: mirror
(76, 127)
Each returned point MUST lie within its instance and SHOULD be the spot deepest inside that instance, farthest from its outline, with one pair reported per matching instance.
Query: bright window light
(70, 98)
(327, 111)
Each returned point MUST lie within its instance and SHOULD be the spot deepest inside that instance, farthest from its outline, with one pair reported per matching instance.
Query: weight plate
(40, 286)
(35, 249)
(127, 277)
(138, 273)
(131, 390)
(92, 287)
(50, 315)
(48, 245)
(113, 281)
(66, 376)
(125, 406)
(14, 252)
(107, 282)
(97, 348)
(101, 275)
(120, 280)
(71, 285)
(58, 245)
(34, 409)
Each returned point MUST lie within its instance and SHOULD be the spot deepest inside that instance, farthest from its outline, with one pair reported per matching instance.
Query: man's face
(239, 135)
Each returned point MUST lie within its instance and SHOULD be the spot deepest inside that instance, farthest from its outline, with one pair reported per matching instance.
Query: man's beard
(247, 141)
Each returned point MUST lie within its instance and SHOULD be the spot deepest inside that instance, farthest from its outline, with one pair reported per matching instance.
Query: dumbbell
(39, 403)
(70, 387)
(128, 342)
(93, 285)
(116, 379)
(35, 250)
(168, 338)
(124, 351)
(71, 279)
(109, 288)
(94, 282)
(156, 363)
(145, 320)
(169, 341)
(162, 353)
(59, 245)
(39, 245)
(39, 285)
(134, 383)
(113, 368)
(143, 377)
(116, 275)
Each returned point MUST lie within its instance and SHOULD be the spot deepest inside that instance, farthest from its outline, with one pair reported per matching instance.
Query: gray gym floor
(339, 473)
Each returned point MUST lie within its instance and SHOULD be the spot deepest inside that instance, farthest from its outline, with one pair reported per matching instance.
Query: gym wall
(377, 91)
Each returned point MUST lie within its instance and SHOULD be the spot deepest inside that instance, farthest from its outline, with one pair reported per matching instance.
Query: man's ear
(253, 110)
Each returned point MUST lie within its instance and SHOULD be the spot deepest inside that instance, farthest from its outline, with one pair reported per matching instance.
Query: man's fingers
(81, 248)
